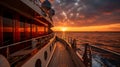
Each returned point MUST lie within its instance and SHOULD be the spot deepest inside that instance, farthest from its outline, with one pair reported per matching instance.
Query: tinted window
(7, 28)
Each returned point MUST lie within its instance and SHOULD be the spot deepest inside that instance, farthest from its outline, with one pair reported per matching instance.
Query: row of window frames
(8, 23)
(22, 27)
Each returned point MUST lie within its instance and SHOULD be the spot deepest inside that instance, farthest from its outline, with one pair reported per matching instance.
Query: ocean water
(105, 40)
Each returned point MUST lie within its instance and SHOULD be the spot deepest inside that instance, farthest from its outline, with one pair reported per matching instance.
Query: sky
(87, 14)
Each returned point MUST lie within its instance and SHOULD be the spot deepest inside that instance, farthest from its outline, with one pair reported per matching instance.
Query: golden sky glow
(63, 28)
(111, 27)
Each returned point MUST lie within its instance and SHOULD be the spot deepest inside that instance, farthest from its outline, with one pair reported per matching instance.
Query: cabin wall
(15, 27)
(43, 56)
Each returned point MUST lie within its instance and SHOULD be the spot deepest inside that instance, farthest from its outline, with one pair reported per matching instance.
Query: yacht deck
(63, 58)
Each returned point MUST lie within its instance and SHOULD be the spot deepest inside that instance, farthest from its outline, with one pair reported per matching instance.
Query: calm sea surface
(107, 41)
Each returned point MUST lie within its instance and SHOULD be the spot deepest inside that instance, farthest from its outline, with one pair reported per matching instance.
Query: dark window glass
(22, 28)
(38, 63)
(33, 30)
(7, 28)
(45, 55)
(40, 30)
(27, 31)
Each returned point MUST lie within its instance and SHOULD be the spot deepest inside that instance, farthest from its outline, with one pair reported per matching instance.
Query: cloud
(86, 12)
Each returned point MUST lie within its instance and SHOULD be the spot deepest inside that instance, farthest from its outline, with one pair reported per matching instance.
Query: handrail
(24, 56)
(87, 56)
(106, 50)
(88, 50)
(24, 41)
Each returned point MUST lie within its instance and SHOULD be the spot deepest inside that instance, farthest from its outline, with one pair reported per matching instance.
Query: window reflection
(7, 28)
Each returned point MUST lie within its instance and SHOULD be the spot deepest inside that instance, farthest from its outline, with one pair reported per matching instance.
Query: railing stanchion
(7, 52)
(87, 56)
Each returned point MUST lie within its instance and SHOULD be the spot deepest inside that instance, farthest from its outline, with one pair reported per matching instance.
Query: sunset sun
(63, 28)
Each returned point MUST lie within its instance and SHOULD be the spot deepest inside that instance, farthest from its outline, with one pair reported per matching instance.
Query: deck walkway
(61, 57)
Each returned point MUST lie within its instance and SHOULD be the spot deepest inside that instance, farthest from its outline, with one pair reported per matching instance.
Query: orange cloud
(107, 13)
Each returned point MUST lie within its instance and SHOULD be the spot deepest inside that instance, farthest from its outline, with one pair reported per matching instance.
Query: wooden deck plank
(61, 57)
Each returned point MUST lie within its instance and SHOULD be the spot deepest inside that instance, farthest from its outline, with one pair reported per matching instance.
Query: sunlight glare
(63, 28)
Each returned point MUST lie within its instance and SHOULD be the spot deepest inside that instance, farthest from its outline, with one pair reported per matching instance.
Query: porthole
(52, 44)
(38, 63)
(45, 55)
(50, 48)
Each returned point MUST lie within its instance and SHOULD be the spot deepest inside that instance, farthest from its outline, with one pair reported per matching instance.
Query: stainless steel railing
(40, 39)
(25, 41)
